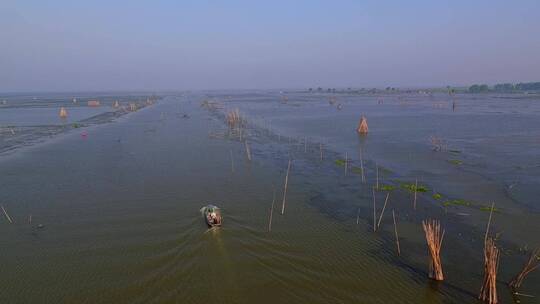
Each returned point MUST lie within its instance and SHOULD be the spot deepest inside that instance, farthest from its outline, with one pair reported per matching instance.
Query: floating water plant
(457, 202)
(456, 162)
(386, 188)
(340, 162)
(434, 239)
(437, 196)
(356, 170)
(413, 187)
(488, 208)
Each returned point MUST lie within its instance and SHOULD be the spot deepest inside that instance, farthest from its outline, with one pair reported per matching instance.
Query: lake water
(115, 214)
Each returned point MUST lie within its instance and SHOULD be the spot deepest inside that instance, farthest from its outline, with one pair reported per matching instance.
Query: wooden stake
(382, 212)
(346, 159)
(248, 151)
(374, 211)
(320, 148)
(232, 162)
(271, 211)
(285, 188)
(30, 219)
(489, 222)
(377, 169)
(362, 166)
(305, 144)
(358, 216)
(415, 191)
(395, 232)
(7, 215)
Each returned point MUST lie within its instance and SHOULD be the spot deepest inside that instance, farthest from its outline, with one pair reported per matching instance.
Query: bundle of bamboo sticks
(233, 118)
(434, 238)
(488, 292)
(532, 263)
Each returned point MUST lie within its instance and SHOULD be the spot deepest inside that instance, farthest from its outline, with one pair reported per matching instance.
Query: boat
(212, 216)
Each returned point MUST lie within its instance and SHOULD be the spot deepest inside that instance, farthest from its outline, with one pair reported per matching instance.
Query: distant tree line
(505, 87)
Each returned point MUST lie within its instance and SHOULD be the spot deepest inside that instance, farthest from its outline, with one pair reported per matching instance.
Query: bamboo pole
(7, 215)
(346, 160)
(305, 144)
(489, 222)
(362, 166)
(285, 188)
(232, 162)
(382, 212)
(272, 210)
(358, 216)
(415, 193)
(396, 233)
(377, 169)
(248, 151)
(320, 148)
(374, 211)
(30, 219)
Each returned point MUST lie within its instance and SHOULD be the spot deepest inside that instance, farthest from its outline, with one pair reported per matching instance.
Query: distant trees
(505, 87)
(528, 86)
(478, 88)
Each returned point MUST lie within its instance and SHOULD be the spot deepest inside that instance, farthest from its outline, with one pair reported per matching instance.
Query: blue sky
(158, 45)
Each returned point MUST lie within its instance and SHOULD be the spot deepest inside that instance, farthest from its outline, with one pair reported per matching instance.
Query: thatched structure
(362, 126)
(93, 103)
(63, 113)
(488, 292)
(434, 238)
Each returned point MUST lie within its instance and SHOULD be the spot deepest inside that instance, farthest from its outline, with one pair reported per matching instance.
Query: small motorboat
(212, 216)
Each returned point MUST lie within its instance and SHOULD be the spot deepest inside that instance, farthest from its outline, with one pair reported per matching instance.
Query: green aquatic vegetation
(456, 162)
(356, 170)
(386, 188)
(454, 151)
(76, 125)
(384, 171)
(488, 209)
(412, 187)
(437, 196)
(456, 202)
(340, 162)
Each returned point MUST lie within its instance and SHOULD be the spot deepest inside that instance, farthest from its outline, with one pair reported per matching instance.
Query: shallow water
(120, 206)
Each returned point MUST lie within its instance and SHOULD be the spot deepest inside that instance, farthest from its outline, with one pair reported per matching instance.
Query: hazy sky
(69, 45)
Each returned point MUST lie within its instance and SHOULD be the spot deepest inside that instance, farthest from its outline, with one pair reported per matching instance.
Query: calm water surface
(120, 206)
